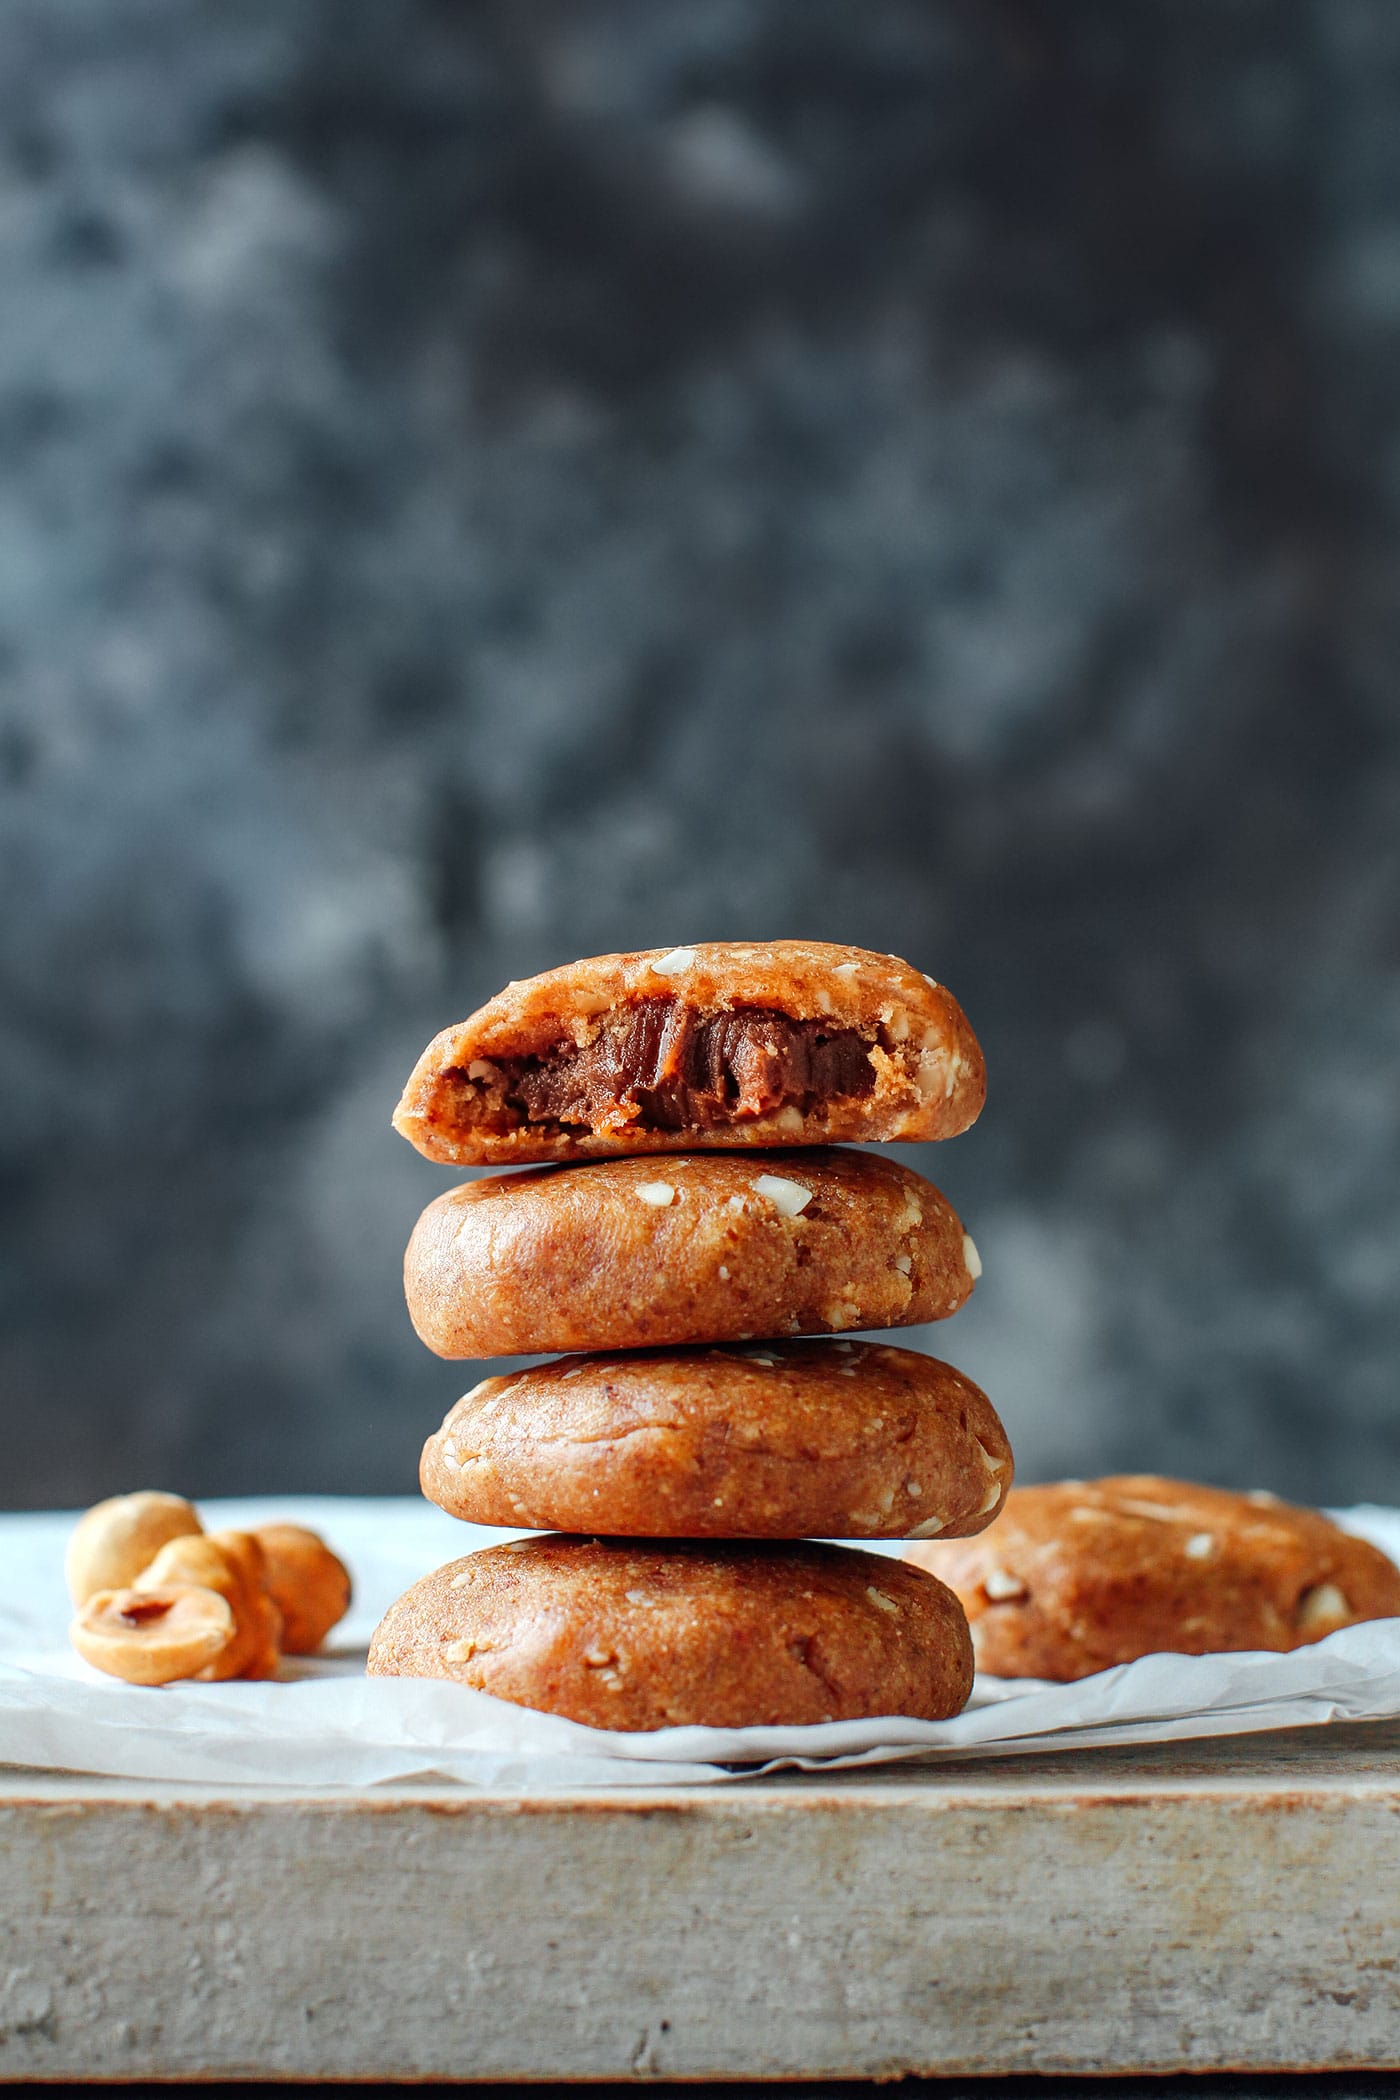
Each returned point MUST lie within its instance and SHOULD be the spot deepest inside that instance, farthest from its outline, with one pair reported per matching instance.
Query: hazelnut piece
(231, 1563)
(154, 1636)
(309, 1586)
(118, 1538)
(1321, 1610)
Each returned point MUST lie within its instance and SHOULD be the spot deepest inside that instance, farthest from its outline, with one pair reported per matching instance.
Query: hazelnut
(154, 1636)
(231, 1563)
(118, 1538)
(309, 1586)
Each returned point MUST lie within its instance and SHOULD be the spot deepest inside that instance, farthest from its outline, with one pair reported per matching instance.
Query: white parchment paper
(324, 1723)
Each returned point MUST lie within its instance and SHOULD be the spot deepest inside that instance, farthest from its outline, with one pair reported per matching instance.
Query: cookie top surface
(778, 1440)
(623, 1634)
(721, 1043)
(1077, 1575)
(710, 1246)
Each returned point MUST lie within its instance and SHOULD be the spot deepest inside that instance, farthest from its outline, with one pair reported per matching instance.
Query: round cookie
(701, 1247)
(623, 1634)
(1078, 1575)
(780, 1440)
(721, 1044)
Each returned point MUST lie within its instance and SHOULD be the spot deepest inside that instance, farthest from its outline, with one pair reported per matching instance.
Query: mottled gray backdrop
(485, 483)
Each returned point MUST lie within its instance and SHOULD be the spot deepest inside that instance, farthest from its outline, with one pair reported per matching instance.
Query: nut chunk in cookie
(1078, 1575)
(716, 1045)
(621, 1633)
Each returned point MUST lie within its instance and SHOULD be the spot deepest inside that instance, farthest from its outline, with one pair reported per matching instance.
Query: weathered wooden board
(1228, 1904)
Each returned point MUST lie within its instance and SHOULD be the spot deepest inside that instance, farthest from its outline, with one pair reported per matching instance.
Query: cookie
(721, 1044)
(623, 1634)
(1082, 1574)
(720, 1246)
(778, 1441)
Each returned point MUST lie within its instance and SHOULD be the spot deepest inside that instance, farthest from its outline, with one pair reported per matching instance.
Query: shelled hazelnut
(118, 1538)
(232, 1564)
(156, 1635)
(310, 1586)
(160, 1599)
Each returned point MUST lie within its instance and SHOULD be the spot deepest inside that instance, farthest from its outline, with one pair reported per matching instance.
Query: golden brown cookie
(707, 1246)
(780, 1440)
(720, 1044)
(1081, 1574)
(623, 1634)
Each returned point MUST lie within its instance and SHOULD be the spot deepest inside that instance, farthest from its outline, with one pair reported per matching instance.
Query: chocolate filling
(684, 1069)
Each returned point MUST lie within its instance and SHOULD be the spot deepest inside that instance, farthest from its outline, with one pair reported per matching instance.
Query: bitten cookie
(623, 1634)
(703, 1247)
(778, 1441)
(1080, 1575)
(721, 1044)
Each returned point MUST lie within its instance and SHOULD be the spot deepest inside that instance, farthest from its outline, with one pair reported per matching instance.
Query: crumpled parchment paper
(325, 1724)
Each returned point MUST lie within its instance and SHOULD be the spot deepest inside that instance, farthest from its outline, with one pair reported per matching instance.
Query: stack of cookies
(685, 1217)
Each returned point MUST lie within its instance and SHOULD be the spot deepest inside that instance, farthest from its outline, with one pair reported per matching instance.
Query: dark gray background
(484, 484)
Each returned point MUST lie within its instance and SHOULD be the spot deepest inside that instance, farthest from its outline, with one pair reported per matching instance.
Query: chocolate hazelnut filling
(682, 1069)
